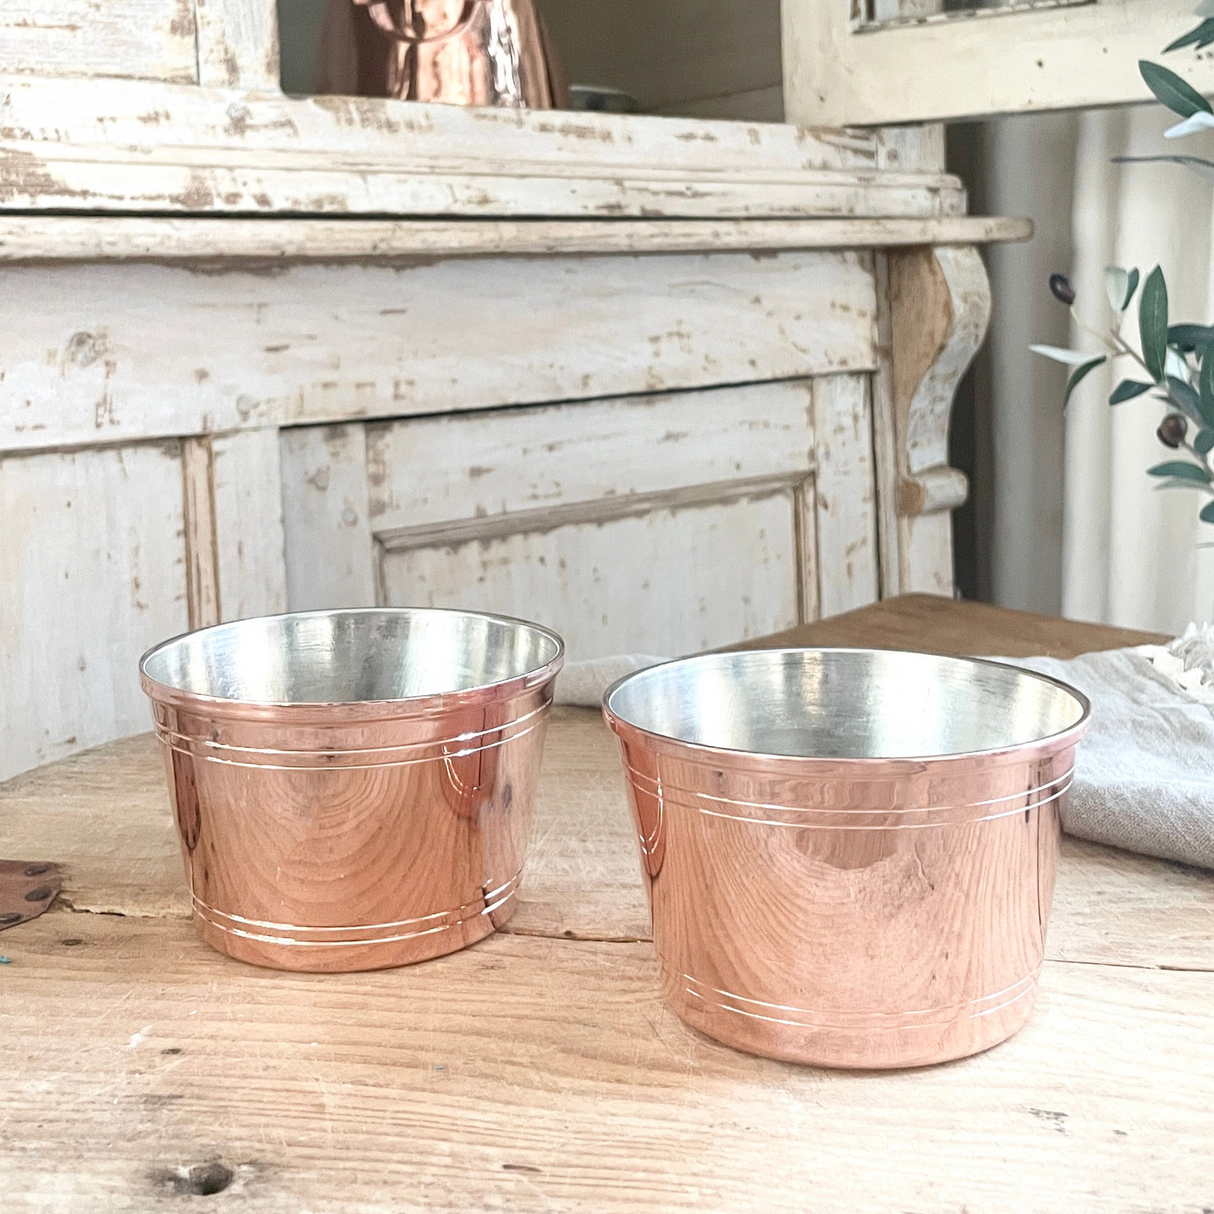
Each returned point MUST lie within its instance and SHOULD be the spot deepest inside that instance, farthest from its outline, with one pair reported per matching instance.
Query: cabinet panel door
(667, 522)
(671, 580)
(92, 573)
(869, 62)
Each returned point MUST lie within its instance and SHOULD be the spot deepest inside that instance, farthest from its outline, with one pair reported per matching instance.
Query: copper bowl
(849, 853)
(352, 789)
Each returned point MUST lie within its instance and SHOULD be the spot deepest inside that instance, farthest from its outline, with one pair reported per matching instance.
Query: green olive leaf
(1187, 338)
(1116, 286)
(1185, 399)
(1202, 35)
(1181, 470)
(1127, 390)
(1080, 373)
(1153, 323)
(1205, 385)
(1177, 94)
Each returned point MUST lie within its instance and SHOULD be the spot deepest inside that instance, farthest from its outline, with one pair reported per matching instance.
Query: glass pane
(883, 14)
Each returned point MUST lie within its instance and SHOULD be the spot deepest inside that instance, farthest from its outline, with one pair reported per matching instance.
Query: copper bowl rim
(340, 712)
(878, 764)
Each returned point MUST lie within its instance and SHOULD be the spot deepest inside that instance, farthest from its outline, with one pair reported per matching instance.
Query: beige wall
(713, 58)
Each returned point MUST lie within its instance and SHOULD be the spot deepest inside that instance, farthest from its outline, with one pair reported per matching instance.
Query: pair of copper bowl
(849, 854)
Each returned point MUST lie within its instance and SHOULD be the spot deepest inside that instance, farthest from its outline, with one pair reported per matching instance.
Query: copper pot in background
(849, 854)
(353, 789)
(461, 52)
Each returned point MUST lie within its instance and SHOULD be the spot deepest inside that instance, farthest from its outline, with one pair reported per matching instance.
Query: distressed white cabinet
(661, 383)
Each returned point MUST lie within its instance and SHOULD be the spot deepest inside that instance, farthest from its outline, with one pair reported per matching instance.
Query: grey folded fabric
(1144, 777)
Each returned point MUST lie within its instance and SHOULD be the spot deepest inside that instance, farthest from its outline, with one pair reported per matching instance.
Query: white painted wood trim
(331, 560)
(845, 494)
(246, 482)
(127, 238)
(201, 549)
(143, 351)
(1007, 62)
(137, 145)
(237, 43)
(939, 307)
(152, 39)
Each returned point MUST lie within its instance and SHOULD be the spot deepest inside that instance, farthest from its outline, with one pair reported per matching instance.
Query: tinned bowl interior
(846, 703)
(353, 789)
(850, 854)
(351, 657)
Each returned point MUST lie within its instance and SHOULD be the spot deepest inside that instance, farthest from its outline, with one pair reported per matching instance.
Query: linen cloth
(1144, 777)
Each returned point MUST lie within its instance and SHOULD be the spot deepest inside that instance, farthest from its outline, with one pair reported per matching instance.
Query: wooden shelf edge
(41, 238)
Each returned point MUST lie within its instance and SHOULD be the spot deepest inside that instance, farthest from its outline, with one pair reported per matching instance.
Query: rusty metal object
(27, 888)
(353, 789)
(850, 854)
(459, 52)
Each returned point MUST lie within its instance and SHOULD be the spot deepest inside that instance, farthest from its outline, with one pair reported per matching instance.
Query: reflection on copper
(855, 910)
(461, 52)
(354, 834)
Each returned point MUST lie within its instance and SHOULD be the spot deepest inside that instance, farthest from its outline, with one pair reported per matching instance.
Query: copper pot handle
(378, 12)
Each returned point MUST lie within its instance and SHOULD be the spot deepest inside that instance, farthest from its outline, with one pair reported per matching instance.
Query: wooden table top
(539, 1070)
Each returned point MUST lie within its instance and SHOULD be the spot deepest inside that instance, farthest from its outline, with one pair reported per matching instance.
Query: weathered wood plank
(105, 817)
(139, 38)
(932, 623)
(666, 574)
(194, 352)
(237, 43)
(165, 239)
(249, 537)
(845, 494)
(939, 301)
(437, 469)
(619, 523)
(92, 572)
(959, 65)
(201, 547)
(141, 146)
(330, 556)
(538, 1074)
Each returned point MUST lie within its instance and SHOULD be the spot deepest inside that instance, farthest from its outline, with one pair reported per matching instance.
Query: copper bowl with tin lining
(353, 789)
(849, 853)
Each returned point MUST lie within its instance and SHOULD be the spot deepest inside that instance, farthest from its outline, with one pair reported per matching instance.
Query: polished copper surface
(847, 909)
(361, 833)
(460, 52)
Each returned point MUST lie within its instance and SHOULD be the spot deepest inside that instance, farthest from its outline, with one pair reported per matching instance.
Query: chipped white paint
(237, 43)
(60, 238)
(104, 145)
(137, 38)
(668, 517)
(249, 539)
(965, 66)
(201, 549)
(330, 558)
(675, 579)
(846, 494)
(192, 352)
(92, 572)
(436, 470)
(939, 304)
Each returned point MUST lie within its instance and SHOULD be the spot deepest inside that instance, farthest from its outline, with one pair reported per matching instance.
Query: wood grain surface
(539, 1070)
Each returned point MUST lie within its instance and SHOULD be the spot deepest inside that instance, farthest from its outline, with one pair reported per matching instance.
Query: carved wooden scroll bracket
(933, 309)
